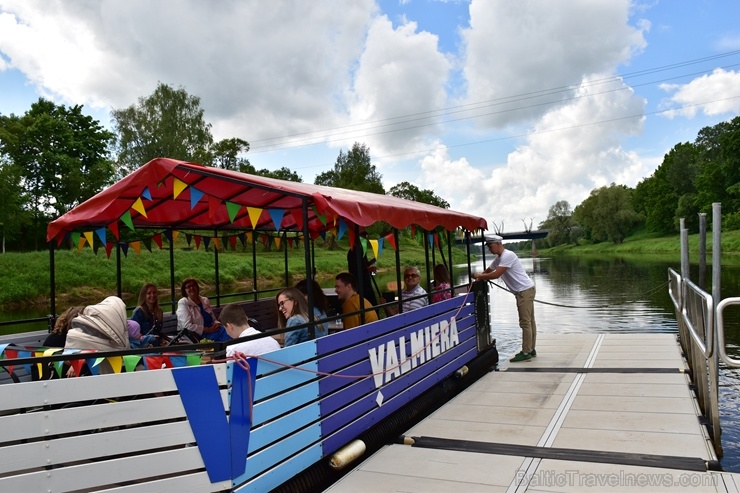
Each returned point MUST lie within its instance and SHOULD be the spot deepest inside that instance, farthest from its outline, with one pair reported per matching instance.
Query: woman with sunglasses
(194, 313)
(292, 310)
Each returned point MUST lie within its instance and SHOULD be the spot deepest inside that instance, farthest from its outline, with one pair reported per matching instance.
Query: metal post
(254, 264)
(702, 249)
(173, 296)
(398, 271)
(716, 298)
(118, 269)
(309, 265)
(52, 287)
(215, 265)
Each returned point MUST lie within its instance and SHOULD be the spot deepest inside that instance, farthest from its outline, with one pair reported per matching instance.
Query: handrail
(707, 348)
(735, 363)
(674, 277)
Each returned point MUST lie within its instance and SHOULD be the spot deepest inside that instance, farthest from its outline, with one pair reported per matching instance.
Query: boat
(289, 420)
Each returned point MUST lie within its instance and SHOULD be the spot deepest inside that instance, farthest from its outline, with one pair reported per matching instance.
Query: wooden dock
(590, 413)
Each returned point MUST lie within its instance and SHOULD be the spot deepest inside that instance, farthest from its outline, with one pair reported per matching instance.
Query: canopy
(166, 193)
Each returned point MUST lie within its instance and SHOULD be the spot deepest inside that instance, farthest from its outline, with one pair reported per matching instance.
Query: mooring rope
(561, 305)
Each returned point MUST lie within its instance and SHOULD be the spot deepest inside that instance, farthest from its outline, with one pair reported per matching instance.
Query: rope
(241, 358)
(661, 286)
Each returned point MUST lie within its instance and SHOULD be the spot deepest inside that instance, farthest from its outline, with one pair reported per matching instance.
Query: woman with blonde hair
(147, 313)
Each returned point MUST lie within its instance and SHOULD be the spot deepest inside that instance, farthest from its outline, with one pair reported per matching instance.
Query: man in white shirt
(507, 266)
(235, 321)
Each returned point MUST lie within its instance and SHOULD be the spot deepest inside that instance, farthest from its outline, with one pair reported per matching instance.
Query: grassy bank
(85, 276)
(645, 243)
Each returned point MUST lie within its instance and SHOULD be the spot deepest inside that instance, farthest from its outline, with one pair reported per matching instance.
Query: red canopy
(166, 193)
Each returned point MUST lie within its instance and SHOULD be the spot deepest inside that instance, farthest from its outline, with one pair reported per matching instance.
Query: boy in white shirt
(235, 321)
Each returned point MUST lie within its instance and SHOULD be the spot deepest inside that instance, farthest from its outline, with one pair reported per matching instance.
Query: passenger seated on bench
(195, 314)
(321, 304)
(292, 311)
(56, 339)
(148, 314)
(411, 278)
(344, 286)
(441, 284)
(237, 325)
(135, 339)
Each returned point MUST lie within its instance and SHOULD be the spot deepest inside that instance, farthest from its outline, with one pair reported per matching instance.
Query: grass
(85, 276)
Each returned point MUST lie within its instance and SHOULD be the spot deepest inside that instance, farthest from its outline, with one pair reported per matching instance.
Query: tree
(281, 174)
(406, 190)
(225, 155)
(607, 214)
(12, 212)
(169, 123)
(560, 224)
(353, 171)
(61, 157)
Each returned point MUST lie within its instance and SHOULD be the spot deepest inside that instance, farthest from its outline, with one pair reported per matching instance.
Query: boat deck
(590, 413)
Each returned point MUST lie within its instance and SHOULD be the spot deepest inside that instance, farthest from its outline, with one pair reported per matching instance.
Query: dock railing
(701, 328)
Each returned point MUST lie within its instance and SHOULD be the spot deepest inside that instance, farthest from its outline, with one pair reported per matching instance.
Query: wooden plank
(189, 483)
(292, 355)
(63, 391)
(277, 383)
(76, 419)
(111, 472)
(279, 474)
(284, 403)
(96, 446)
(275, 430)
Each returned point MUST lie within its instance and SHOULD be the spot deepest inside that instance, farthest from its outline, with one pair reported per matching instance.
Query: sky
(501, 107)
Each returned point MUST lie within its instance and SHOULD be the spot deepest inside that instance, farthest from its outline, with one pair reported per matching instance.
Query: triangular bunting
(101, 234)
(217, 243)
(179, 361)
(175, 235)
(197, 242)
(146, 194)
(277, 217)
(380, 248)
(114, 229)
(213, 205)
(148, 244)
(116, 362)
(363, 242)
(188, 238)
(391, 239)
(233, 210)
(277, 242)
(436, 240)
(77, 365)
(124, 248)
(158, 240)
(178, 186)
(321, 218)
(351, 237)
(195, 196)
(254, 215)
(206, 242)
(232, 241)
(126, 219)
(80, 243)
(298, 218)
(139, 207)
(194, 359)
(374, 245)
(136, 245)
(130, 361)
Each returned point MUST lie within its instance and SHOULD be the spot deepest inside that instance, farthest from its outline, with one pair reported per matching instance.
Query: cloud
(524, 57)
(261, 69)
(712, 94)
(399, 83)
(570, 151)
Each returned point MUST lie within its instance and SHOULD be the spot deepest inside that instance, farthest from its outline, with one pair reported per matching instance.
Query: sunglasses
(282, 303)
(410, 275)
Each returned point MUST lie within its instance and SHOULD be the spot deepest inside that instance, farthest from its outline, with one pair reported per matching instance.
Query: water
(605, 294)
(617, 295)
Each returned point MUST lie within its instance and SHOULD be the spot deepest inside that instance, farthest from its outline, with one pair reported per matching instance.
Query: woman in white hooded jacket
(195, 314)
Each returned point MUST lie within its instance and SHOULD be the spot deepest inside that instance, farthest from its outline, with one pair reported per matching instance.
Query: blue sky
(502, 108)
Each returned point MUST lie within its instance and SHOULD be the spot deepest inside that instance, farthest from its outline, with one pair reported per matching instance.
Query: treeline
(53, 158)
(690, 179)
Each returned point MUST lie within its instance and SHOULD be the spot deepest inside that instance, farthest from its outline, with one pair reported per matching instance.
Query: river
(603, 294)
(619, 295)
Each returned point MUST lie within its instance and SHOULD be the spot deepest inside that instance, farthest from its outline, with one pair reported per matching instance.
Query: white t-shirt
(515, 278)
(255, 347)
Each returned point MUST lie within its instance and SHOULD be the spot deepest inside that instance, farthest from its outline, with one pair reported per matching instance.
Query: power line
(320, 136)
